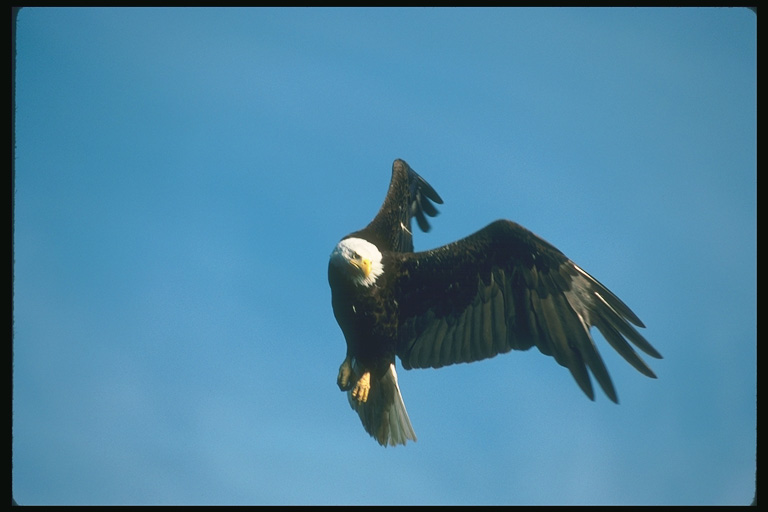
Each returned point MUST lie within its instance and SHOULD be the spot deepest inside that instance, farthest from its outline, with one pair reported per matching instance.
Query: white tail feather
(383, 415)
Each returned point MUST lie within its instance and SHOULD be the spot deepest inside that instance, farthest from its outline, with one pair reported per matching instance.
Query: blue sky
(182, 175)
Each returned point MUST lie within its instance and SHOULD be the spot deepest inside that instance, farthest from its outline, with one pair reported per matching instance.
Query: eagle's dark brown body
(500, 289)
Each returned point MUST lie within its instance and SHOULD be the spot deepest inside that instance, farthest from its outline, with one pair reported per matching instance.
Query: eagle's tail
(383, 415)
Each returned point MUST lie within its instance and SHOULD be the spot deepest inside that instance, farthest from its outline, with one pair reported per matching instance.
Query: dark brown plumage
(500, 289)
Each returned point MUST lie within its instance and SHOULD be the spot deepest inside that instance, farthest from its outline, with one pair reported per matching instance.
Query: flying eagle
(500, 289)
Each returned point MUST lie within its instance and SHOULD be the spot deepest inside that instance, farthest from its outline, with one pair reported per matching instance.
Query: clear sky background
(181, 177)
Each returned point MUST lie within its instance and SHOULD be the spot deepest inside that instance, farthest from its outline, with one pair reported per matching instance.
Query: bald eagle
(500, 289)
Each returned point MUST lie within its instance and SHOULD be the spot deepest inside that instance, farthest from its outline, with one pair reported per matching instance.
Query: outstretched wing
(504, 288)
(409, 196)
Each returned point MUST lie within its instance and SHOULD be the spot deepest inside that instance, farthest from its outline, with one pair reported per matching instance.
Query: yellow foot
(345, 372)
(362, 388)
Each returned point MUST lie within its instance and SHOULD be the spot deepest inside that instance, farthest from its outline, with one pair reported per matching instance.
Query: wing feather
(499, 322)
(504, 288)
(409, 195)
(620, 345)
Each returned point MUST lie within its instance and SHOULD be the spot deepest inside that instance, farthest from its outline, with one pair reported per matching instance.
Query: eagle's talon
(362, 388)
(345, 372)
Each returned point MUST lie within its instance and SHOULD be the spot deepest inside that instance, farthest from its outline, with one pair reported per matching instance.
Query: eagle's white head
(359, 259)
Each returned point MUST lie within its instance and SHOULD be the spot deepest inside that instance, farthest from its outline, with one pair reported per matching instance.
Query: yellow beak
(363, 264)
